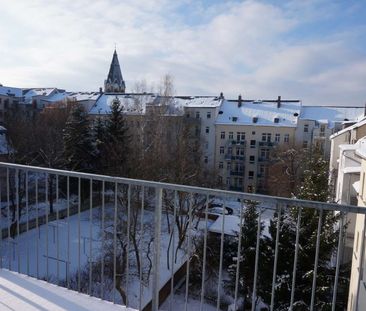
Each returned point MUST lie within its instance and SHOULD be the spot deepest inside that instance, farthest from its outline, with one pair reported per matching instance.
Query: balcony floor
(20, 292)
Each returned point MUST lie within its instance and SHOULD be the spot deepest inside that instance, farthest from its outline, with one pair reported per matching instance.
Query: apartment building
(317, 123)
(357, 288)
(9, 97)
(245, 133)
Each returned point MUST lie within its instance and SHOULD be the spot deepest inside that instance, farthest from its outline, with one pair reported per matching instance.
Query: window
(187, 115)
(222, 150)
(197, 114)
(286, 138)
(206, 159)
(306, 128)
(255, 119)
(240, 151)
(207, 129)
(276, 120)
(229, 150)
(264, 154)
(222, 135)
(305, 144)
(221, 164)
(228, 166)
(277, 138)
(197, 131)
(266, 137)
(251, 159)
(252, 143)
(253, 133)
(235, 119)
(322, 130)
(220, 179)
(208, 115)
(206, 145)
(240, 136)
(228, 181)
(251, 174)
(250, 188)
(240, 182)
(231, 135)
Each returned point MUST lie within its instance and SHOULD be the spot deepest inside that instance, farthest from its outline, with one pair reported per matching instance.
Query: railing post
(156, 262)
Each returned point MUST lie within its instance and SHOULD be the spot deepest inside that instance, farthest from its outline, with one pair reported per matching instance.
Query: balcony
(237, 173)
(148, 245)
(237, 142)
(267, 144)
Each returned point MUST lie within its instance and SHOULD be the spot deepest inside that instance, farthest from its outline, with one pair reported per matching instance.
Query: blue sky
(312, 50)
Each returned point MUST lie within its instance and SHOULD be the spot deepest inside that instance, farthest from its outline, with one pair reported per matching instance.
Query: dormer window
(276, 120)
(235, 119)
(255, 119)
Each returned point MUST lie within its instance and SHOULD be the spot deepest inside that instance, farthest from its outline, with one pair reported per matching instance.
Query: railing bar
(339, 262)
(238, 256)
(295, 259)
(221, 255)
(103, 250)
(115, 242)
(175, 207)
(274, 276)
(254, 294)
(156, 264)
(17, 215)
(79, 234)
(90, 236)
(197, 190)
(128, 241)
(189, 248)
(141, 246)
(27, 214)
(37, 225)
(68, 231)
(57, 233)
(8, 214)
(1, 225)
(46, 212)
(315, 273)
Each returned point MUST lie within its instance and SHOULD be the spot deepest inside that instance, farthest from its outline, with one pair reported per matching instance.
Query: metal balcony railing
(143, 244)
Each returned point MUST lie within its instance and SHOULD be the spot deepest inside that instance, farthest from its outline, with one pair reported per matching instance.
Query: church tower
(114, 82)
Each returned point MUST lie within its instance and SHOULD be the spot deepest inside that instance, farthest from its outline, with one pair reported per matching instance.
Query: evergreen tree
(79, 150)
(99, 132)
(313, 187)
(246, 260)
(117, 140)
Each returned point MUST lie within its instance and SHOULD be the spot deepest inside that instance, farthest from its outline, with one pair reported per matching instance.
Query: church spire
(114, 82)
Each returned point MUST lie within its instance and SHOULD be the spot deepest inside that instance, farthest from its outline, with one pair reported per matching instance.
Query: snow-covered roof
(264, 113)
(80, 96)
(197, 101)
(325, 114)
(11, 91)
(360, 123)
(39, 92)
(361, 147)
(132, 103)
(231, 225)
(20, 292)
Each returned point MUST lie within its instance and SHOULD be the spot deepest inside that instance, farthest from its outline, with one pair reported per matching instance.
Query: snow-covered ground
(28, 253)
(20, 292)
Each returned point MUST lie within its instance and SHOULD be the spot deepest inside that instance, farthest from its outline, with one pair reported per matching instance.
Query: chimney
(279, 102)
(240, 101)
(100, 90)
(221, 95)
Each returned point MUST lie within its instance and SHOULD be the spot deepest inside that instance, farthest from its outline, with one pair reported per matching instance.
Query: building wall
(357, 290)
(206, 129)
(241, 154)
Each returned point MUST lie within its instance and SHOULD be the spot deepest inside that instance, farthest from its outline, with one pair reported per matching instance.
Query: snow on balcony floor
(20, 292)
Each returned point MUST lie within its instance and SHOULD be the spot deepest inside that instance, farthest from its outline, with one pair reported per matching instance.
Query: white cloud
(235, 47)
